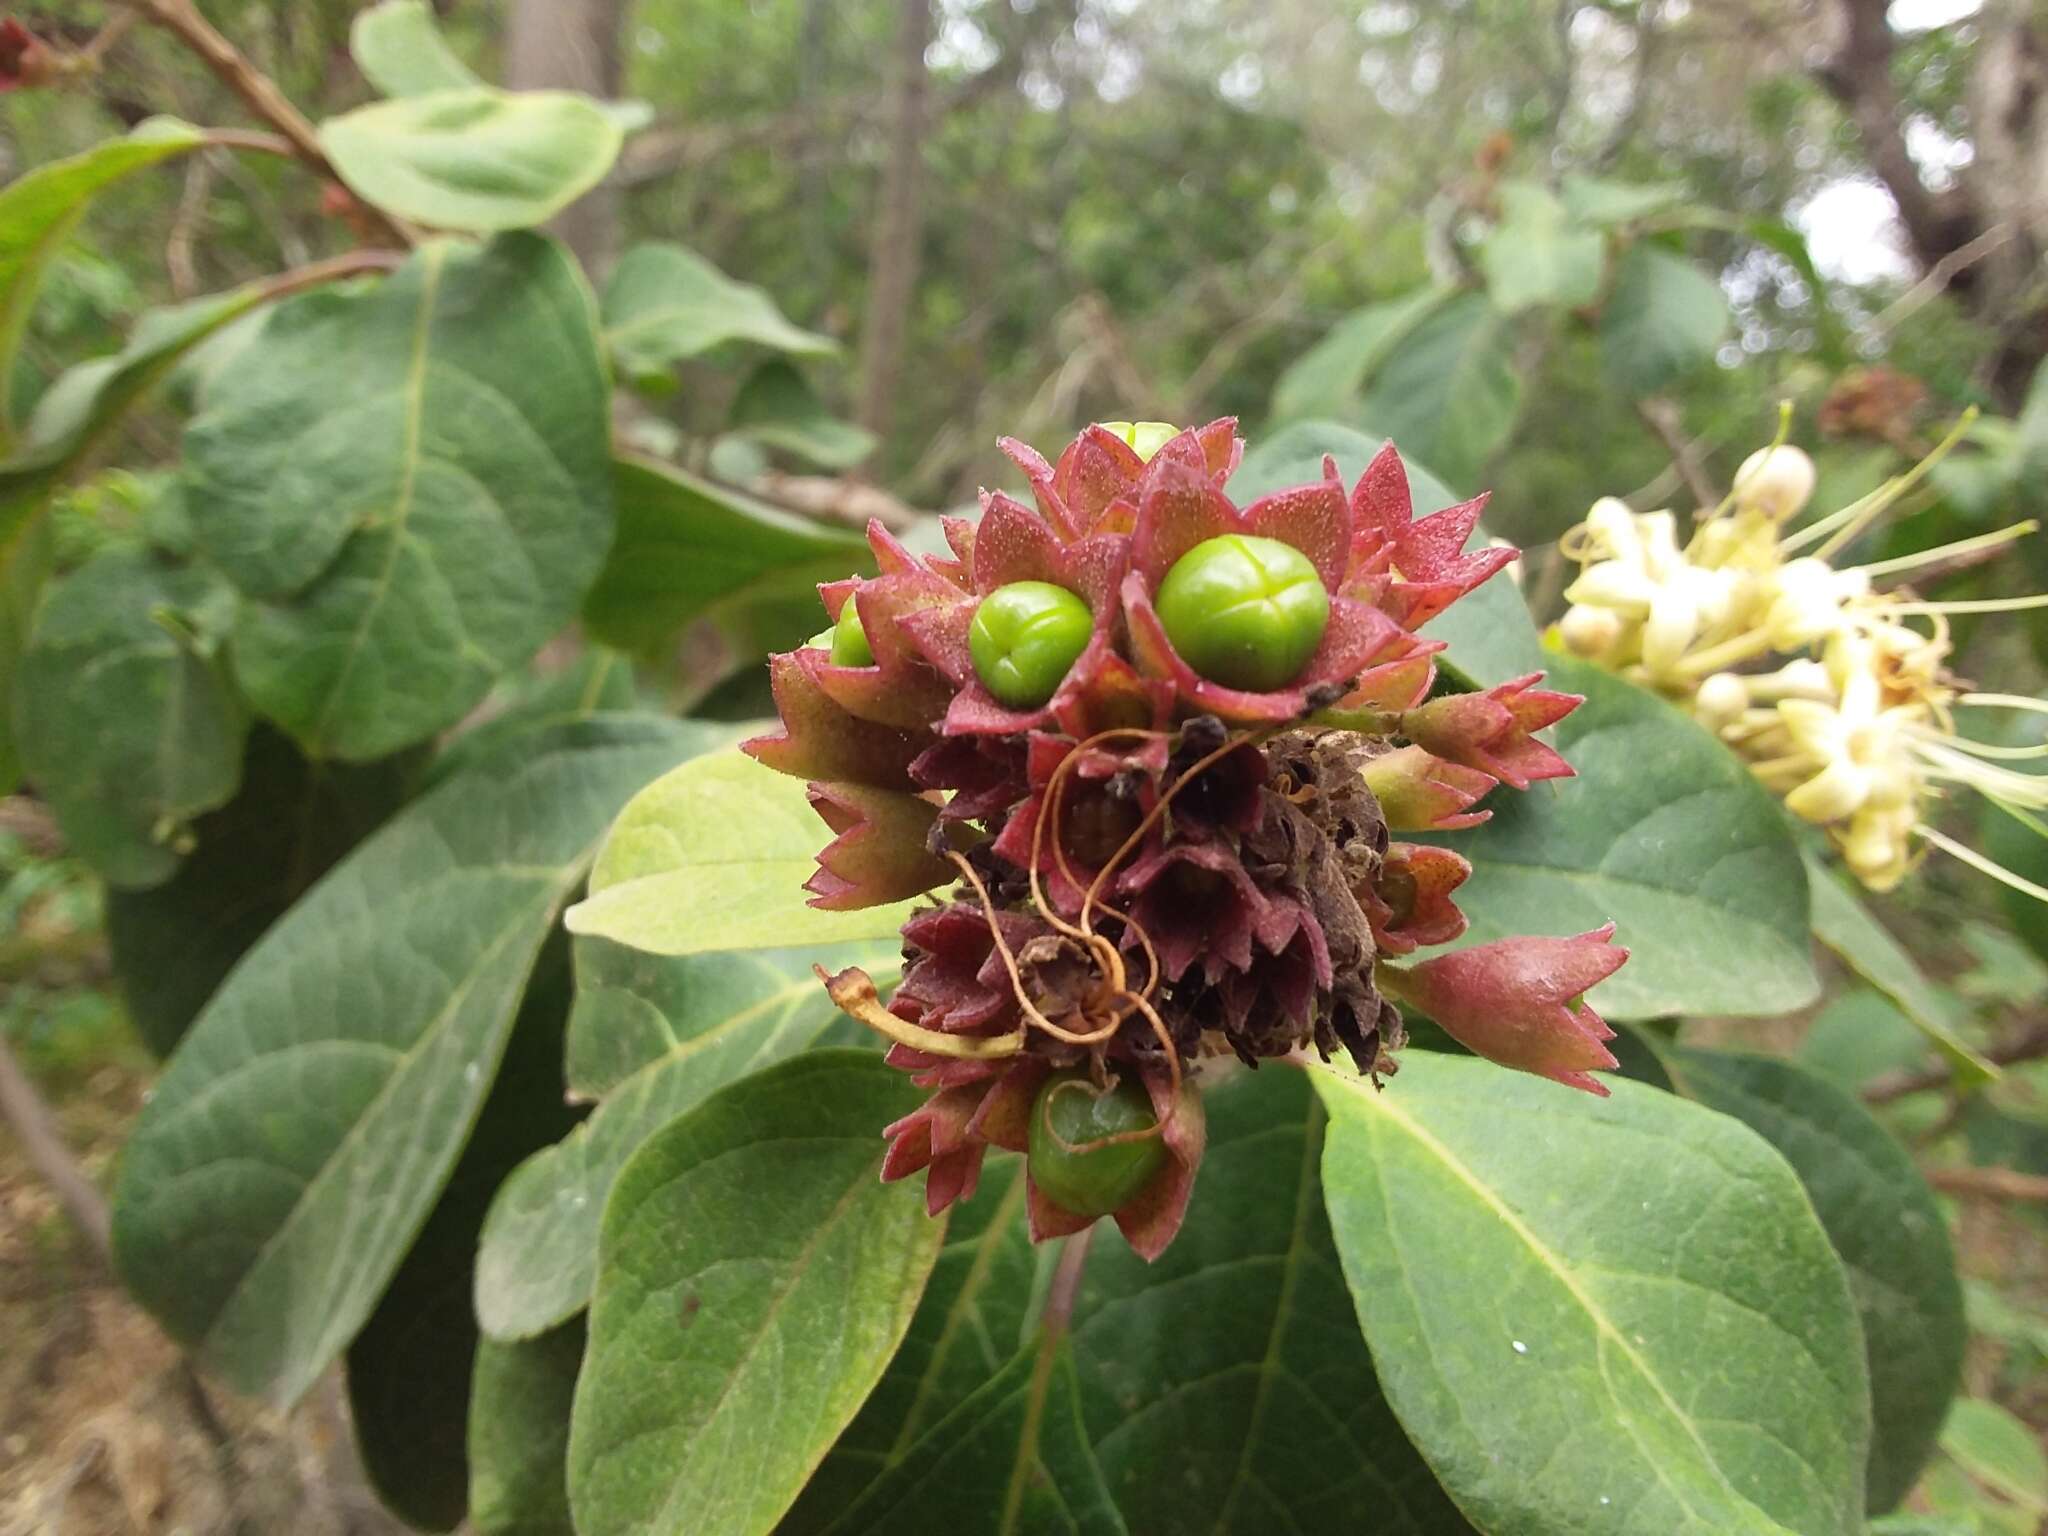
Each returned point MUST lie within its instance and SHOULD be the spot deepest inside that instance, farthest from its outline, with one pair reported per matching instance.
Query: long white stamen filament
(2006, 701)
(1984, 749)
(1968, 605)
(1977, 861)
(1843, 526)
(1946, 551)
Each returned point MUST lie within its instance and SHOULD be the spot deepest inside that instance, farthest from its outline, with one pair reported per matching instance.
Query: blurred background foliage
(1558, 248)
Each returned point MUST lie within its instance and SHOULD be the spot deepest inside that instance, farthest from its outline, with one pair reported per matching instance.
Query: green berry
(1245, 612)
(1093, 1180)
(1024, 638)
(850, 646)
(1146, 437)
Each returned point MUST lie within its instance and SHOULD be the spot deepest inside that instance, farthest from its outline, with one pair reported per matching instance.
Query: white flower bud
(1611, 584)
(1838, 790)
(1588, 631)
(1721, 699)
(1775, 481)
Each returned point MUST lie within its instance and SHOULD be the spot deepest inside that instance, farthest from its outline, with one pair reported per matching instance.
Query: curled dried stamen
(853, 992)
(1031, 1010)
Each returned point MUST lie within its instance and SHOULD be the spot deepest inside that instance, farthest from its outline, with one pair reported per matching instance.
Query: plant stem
(2029, 1045)
(1996, 1183)
(257, 90)
(22, 1108)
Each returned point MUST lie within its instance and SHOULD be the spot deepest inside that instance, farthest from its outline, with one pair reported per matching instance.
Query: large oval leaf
(688, 549)
(402, 53)
(1596, 1316)
(1882, 1219)
(714, 856)
(410, 1369)
(754, 1277)
(653, 1036)
(303, 1130)
(1663, 832)
(474, 158)
(1224, 1388)
(410, 482)
(1326, 379)
(1540, 253)
(1261, 1411)
(128, 723)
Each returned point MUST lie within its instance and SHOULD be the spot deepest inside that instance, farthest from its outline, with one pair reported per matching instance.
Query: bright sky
(1852, 227)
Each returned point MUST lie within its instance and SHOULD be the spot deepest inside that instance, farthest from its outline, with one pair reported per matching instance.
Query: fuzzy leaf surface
(303, 1130)
(754, 1277)
(1666, 834)
(1887, 1229)
(410, 483)
(1596, 1316)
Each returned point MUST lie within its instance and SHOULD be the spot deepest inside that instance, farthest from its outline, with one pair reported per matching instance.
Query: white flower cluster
(1823, 683)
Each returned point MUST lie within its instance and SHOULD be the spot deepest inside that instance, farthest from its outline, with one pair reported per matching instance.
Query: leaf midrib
(1381, 1104)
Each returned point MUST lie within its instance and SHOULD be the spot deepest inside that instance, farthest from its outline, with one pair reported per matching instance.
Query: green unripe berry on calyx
(1092, 1179)
(1024, 638)
(850, 646)
(1244, 611)
(1145, 437)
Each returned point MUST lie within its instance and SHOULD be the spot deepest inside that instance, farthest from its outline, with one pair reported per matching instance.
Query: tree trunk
(896, 245)
(1985, 238)
(573, 45)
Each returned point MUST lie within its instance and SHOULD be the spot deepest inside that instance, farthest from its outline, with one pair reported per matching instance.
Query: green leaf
(1664, 318)
(1489, 631)
(2004, 836)
(1326, 379)
(714, 856)
(754, 1277)
(597, 682)
(399, 49)
(127, 721)
(519, 1433)
(410, 1370)
(1887, 1230)
(689, 549)
(976, 1318)
(1860, 1035)
(1597, 200)
(653, 1037)
(40, 209)
(1540, 253)
(288, 824)
(474, 158)
(301, 1133)
(664, 305)
(1449, 392)
(71, 420)
(410, 484)
(1846, 926)
(1262, 1412)
(1664, 833)
(1613, 1315)
(1999, 1452)
(1012, 1458)
(777, 408)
